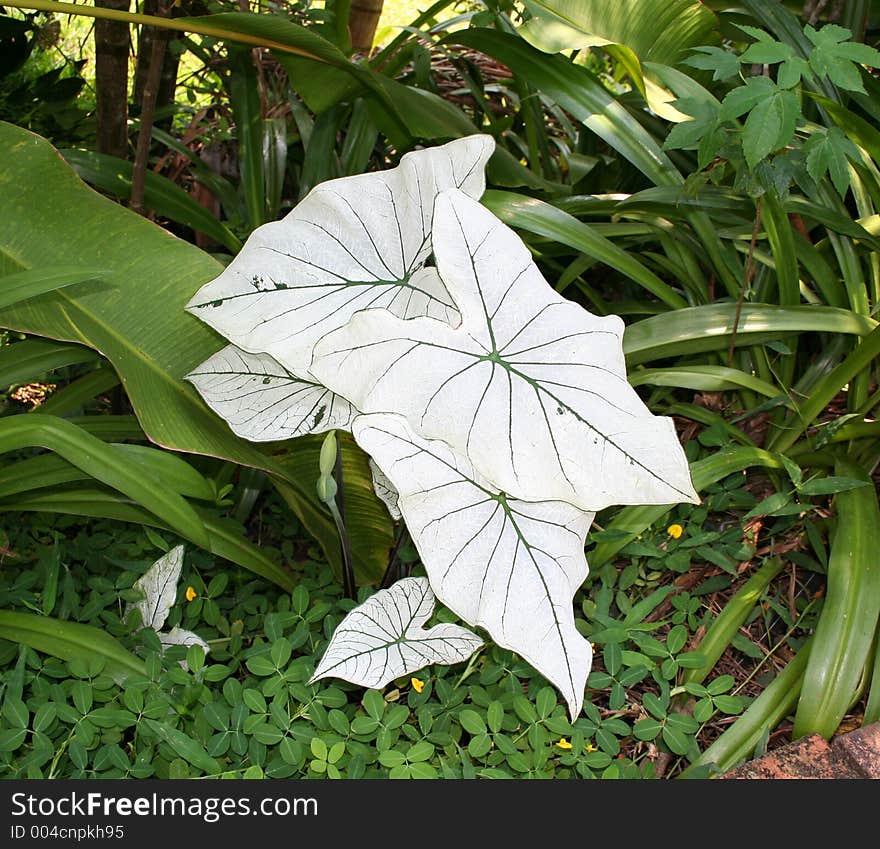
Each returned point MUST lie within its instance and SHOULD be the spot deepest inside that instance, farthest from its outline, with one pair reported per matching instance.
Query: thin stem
(394, 571)
(148, 109)
(337, 509)
(747, 276)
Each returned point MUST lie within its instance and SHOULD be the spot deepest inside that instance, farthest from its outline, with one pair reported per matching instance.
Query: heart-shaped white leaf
(264, 402)
(351, 243)
(509, 566)
(531, 388)
(385, 490)
(383, 638)
(159, 587)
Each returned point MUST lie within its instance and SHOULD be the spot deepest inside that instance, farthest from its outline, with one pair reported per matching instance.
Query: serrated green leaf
(766, 53)
(724, 63)
(745, 97)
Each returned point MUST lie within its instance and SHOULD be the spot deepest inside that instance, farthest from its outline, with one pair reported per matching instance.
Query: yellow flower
(675, 531)
(564, 744)
(190, 593)
(417, 685)
(589, 748)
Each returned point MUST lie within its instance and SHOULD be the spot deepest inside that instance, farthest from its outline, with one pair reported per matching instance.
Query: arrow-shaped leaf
(383, 638)
(264, 402)
(352, 243)
(531, 388)
(159, 586)
(509, 566)
(385, 490)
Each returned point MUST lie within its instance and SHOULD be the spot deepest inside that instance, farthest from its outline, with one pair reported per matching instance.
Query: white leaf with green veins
(350, 244)
(181, 637)
(509, 566)
(383, 638)
(531, 388)
(385, 490)
(264, 402)
(159, 587)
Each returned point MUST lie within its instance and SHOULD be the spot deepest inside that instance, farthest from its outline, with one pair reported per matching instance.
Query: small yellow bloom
(190, 593)
(675, 531)
(564, 744)
(417, 685)
(589, 748)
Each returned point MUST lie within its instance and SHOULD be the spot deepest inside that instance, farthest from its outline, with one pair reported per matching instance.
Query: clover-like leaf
(509, 566)
(262, 401)
(351, 243)
(531, 388)
(159, 587)
(385, 490)
(383, 638)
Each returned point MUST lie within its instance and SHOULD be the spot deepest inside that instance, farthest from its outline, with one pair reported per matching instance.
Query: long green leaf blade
(69, 641)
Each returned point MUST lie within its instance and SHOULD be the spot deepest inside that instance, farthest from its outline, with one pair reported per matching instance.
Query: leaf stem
(394, 571)
(337, 510)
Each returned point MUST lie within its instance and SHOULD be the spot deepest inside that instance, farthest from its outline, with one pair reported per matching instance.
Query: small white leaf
(159, 587)
(351, 243)
(262, 401)
(180, 637)
(383, 638)
(531, 388)
(509, 566)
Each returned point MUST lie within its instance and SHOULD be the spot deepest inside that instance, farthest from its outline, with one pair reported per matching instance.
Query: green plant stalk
(728, 622)
(738, 742)
(845, 631)
(69, 640)
(179, 24)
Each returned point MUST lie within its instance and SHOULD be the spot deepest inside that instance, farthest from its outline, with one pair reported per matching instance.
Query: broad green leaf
(509, 566)
(264, 402)
(352, 243)
(529, 383)
(69, 641)
(656, 30)
(159, 588)
(384, 638)
(29, 284)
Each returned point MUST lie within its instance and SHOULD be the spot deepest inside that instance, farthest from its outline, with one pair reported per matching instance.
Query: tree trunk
(170, 63)
(111, 81)
(362, 23)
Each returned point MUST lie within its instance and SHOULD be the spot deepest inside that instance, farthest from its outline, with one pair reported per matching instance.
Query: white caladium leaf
(509, 566)
(531, 388)
(181, 637)
(383, 638)
(351, 243)
(159, 587)
(264, 402)
(385, 490)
